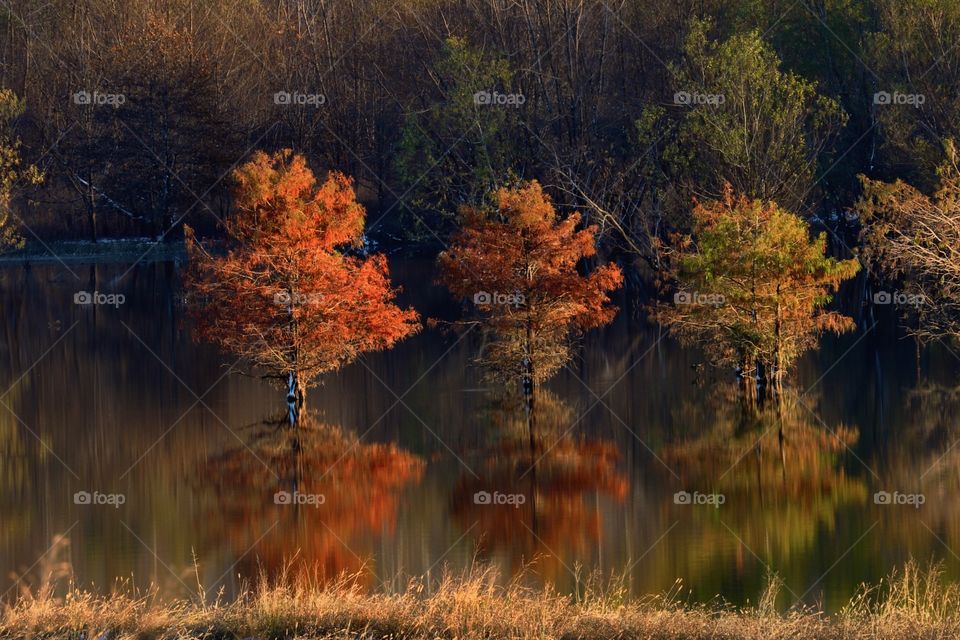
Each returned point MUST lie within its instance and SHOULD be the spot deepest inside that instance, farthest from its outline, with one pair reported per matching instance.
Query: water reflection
(539, 504)
(782, 472)
(120, 400)
(16, 474)
(925, 459)
(763, 454)
(312, 498)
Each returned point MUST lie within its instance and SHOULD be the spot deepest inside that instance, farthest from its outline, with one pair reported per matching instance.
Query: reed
(915, 602)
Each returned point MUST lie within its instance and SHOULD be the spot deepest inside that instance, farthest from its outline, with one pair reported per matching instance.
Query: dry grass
(911, 604)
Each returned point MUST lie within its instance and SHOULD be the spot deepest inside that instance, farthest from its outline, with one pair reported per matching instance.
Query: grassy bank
(911, 604)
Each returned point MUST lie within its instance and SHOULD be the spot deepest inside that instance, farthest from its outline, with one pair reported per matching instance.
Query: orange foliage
(524, 251)
(558, 514)
(287, 297)
(560, 520)
(361, 484)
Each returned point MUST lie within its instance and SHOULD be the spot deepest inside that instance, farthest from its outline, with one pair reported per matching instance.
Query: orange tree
(287, 296)
(751, 286)
(518, 265)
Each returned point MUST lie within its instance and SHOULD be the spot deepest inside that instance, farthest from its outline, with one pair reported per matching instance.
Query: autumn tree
(751, 286)
(519, 267)
(915, 238)
(13, 173)
(288, 296)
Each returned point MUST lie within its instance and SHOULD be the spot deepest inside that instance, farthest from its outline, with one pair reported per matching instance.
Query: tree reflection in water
(560, 514)
(268, 531)
(924, 458)
(782, 472)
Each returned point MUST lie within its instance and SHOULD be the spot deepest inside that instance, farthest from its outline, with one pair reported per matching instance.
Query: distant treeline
(136, 110)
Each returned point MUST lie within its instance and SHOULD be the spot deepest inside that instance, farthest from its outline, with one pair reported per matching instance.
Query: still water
(183, 466)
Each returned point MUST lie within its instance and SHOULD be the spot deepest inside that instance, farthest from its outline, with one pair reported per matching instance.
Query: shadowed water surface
(408, 453)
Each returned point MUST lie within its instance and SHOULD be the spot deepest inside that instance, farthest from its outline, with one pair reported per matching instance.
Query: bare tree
(916, 238)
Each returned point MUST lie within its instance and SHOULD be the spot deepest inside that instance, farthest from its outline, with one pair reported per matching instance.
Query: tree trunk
(758, 454)
(916, 353)
(528, 390)
(296, 399)
(748, 382)
(527, 383)
(761, 381)
(90, 204)
(781, 439)
(775, 370)
(528, 402)
(776, 383)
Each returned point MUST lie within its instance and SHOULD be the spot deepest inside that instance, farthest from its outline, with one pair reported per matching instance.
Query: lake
(129, 452)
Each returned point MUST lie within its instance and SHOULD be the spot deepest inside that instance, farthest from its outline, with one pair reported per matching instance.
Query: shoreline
(127, 250)
(104, 251)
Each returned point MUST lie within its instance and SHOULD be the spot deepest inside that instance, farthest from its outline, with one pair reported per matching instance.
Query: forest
(136, 112)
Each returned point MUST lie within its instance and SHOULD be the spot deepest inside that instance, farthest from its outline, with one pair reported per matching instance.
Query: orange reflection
(550, 510)
(313, 499)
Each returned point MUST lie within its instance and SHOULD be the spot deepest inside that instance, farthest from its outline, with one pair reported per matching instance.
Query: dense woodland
(606, 114)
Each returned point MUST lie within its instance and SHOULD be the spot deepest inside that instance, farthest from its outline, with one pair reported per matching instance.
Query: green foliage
(761, 128)
(821, 42)
(453, 151)
(597, 126)
(754, 285)
(914, 51)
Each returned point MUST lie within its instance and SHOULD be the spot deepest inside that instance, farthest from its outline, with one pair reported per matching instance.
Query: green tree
(745, 121)
(752, 286)
(824, 43)
(13, 173)
(914, 53)
(460, 146)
